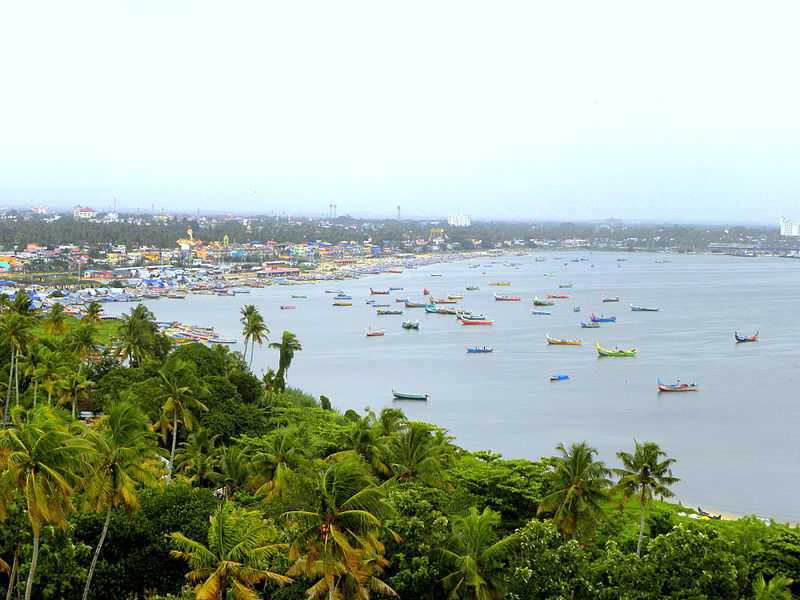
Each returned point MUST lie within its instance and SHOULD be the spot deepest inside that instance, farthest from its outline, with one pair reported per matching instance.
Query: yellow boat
(615, 352)
(342, 303)
(455, 297)
(556, 342)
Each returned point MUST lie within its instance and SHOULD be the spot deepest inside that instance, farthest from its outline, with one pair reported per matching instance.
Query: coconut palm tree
(391, 421)
(235, 558)
(93, 312)
(49, 371)
(362, 439)
(124, 458)
(274, 460)
(22, 304)
(44, 460)
(247, 312)
(82, 342)
(579, 485)
(337, 541)
(197, 457)
(644, 475)
(55, 321)
(233, 470)
(74, 386)
(179, 394)
(418, 454)
(288, 345)
(254, 329)
(15, 330)
(778, 588)
(130, 340)
(474, 552)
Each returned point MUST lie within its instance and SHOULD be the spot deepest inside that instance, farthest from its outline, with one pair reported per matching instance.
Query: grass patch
(106, 329)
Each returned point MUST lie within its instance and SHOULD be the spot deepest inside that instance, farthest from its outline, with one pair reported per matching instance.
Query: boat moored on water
(557, 296)
(479, 350)
(343, 303)
(500, 283)
(299, 296)
(472, 288)
(374, 292)
(677, 387)
(616, 352)
(611, 299)
(410, 325)
(388, 311)
(287, 307)
(375, 332)
(559, 377)
(405, 396)
(635, 308)
(558, 342)
(443, 301)
(602, 319)
(742, 339)
(590, 325)
(342, 297)
(564, 285)
(541, 313)
(576, 309)
(506, 298)
(455, 297)
(410, 304)
(539, 302)
(477, 322)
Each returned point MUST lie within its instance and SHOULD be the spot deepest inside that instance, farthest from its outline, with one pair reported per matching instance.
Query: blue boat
(342, 297)
(480, 350)
(395, 289)
(603, 319)
(545, 313)
(559, 377)
(431, 308)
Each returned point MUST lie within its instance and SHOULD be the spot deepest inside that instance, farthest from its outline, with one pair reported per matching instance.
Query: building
(459, 221)
(789, 228)
(83, 212)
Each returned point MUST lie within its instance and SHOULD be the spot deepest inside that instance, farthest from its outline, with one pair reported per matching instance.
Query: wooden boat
(500, 283)
(564, 285)
(401, 300)
(425, 291)
(410, 324)
(409, 304)
(476, 322)
(559, 377)
(388, 311)
(287, 307)
(455, 297)
(404, 396)
(615, 352)
(370, 301)
(436, 274)
(298, 296)
(334, 292)
(506, 298)
(472, 288)
(557, 296)
(378, 292)
(603, 319)
(465, 314)
(576, 309)
(395, 270)
(479, 350)
(542, 313)
(539, 302)
(395, 289)
(443, 301)
(590, 325)
(342, 303)
(557, 342)
(677, 387)
(742, 339)
(446, 310)
(342, 297)
(375, 332)
(375, 305)
(635, 308)
(611, 299)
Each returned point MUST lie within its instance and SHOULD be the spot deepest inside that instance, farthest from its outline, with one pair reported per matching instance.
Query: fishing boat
(410, 304)
(425, 291)
(472, 288)
(576, 309)
(465, 314)
(388, 311)
(287, 307)
(446, 310)
(443, 301)
(539, 302)
(590, 325)
(410, 324)
(677, 387)
(395, 270)
(370, 301)
(564, 285)
(342, 297)
(603, 319)
(343, 303)
(558, 342)
(404, 396)
(395, 289)
(559, 377)
(479, 350)
(374, 292)
(375, 332)
(741, 339)
(543, 313)
(506, 298)
(455, 297)
(476, 322)
(376, 305)
(500, 283)
(618, 352)
(635, 308)
(401, 300)
(557, 296)
(298, 296)
(611, 299)
(334, 292)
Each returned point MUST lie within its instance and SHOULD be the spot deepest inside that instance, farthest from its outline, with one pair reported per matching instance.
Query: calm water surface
(735, 440)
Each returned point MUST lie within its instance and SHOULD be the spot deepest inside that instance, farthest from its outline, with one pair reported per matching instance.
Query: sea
(735, 440)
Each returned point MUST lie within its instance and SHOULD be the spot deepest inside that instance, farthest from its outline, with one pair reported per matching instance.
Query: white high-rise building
(459, 221)
(789, 228)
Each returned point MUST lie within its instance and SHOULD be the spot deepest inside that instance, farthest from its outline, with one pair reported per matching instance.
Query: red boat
(425, 291)
(745, 338)
(558, 296)
(476, 322)
(375, 333)
(502, 298)
(378, 292)
(677, 387)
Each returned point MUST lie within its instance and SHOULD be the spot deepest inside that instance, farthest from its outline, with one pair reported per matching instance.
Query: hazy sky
(671, 110)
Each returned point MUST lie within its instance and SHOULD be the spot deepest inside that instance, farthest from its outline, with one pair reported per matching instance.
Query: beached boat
(557, 296)
(410, 324)
(611, 299)
(506, 298)
(539, 302)
(405, 396)
(375, 332)
(287, 307)
(388, 311)
(542, 313)
(410, 304)
(590, 325)
(343, 303)
(476, 322)
(615, 352)
(603, 319)
(741, 339)
(635, 308)
(559, 377)
(677, 387)
(479, 350)
(558, 342)
(378, 292)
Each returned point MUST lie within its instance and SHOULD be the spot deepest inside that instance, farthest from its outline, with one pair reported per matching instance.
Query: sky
(681, 110)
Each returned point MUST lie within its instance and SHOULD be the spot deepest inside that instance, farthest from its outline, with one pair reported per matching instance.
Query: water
(734, 440)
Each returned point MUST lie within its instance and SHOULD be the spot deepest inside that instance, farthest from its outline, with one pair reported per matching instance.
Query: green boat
(402, 396)
(615, 352)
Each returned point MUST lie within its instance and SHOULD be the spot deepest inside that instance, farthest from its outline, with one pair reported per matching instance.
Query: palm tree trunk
(174, 441)
(35, 390)
(8, 389)
(641, 532)
(34, 560)
(75, 396)
(97, 554)
(16, 376)
(50, 397)
(13, 575)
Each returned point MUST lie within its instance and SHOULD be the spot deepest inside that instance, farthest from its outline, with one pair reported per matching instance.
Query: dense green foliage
(257, 490)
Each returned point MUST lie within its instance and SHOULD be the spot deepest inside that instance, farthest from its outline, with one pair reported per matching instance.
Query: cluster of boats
(184, 334)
